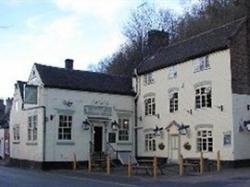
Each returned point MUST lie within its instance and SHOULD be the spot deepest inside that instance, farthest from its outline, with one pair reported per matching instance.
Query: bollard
(89, 165)
(201, 163)
(74, 161)
(181, 167)
(108, 165)
(129, 167)
(218, 161)
(155, 167)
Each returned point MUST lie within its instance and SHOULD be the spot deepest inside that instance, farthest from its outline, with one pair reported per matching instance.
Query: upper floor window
(203, 97)
(30, 94)
(65, 127)
(173, 102)
(32, 128)
(148, 79)
(123, 132)
(201, 64)
(16, 133)
(149, 106)
(204, 140)
(172, 72)
(150, 142)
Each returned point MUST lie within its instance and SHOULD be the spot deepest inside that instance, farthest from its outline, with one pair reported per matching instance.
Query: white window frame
(16, 133)
(32, 128)
(149, 106)
(173, 101)
(123, 131)
(203, 97)
(172, 74)
(150, 142)
(201, 64)
(148, 79)
(64, 125)
(204, 140)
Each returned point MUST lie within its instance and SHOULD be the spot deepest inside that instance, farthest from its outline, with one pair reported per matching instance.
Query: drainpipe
(136, 112)
(44, 126)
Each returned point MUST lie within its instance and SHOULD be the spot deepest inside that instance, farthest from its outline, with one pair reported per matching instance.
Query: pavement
(14, 177)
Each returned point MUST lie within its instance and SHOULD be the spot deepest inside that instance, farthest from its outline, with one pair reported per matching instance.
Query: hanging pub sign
(227, 138)
(97, 110)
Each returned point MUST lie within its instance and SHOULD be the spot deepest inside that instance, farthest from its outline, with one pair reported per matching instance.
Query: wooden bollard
(129, 166)
(218, 161)
(89, 165)
(155, 167)
(74, 161)
(181, 166)
(201, 163)
(108, 165)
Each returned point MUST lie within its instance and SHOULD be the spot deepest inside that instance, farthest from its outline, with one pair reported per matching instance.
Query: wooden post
(218, 161)
(89, 164)
(181, 165)
(155, 167)
(129, 166)
(108, 165)
(201, 164)
(74, 161)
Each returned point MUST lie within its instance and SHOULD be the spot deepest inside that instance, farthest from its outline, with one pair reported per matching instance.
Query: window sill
(31, 143)
(197, 71)
(16, 142)
(65, 143)
(124, 143)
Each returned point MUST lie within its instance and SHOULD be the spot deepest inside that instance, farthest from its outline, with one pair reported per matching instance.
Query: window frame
(172, 72)
(204, 140)
(16, 133)
(174, 102)
(123, 131)
(32, 128)
(149, 142)
(148, 79)
(201, 64)
(65, 124)
(203, 98)
(149, 106)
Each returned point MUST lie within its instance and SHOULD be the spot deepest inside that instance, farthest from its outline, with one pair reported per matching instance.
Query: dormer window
(148, 79)
(172, 72)
(30, 94)
(201, 64)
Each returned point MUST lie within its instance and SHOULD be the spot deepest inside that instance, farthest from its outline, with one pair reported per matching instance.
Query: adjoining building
(194, 96)
(62, 112)
(187, 98)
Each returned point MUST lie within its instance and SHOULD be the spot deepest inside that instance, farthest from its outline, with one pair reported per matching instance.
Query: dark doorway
(98, 139)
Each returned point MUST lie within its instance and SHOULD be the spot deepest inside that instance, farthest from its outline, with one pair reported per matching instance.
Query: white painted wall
(242, 138)
(220, 77)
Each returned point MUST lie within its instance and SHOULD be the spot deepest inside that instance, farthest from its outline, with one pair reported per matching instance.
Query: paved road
(12, 177)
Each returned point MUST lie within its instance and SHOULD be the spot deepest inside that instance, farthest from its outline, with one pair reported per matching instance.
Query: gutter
(136, 115)
(44, 127)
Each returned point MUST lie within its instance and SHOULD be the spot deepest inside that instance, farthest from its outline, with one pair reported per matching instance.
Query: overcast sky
(48, 31)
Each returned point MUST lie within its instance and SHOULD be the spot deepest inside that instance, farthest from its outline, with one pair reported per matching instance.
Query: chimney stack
(69, 64)
(157, 39)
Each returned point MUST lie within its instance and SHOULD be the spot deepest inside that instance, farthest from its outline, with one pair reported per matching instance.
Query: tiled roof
(199, 45)
(62, 78)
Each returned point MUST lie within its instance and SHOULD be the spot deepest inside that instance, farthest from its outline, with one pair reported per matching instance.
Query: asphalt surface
(13, 177)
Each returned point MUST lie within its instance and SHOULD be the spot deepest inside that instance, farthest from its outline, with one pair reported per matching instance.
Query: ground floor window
(65, 127)
(150, 143)
(32, 128)
(204, 140)
(16, 133)
(123, 132)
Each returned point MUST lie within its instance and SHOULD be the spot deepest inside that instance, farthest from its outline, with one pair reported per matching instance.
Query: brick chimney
(157, 39)
(69, 64)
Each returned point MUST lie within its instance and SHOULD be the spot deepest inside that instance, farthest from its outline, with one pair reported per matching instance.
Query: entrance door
(174, 148)
(98, 139)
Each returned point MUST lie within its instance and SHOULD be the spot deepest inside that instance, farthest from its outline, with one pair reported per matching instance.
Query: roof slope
(199, 45)
(62, 78)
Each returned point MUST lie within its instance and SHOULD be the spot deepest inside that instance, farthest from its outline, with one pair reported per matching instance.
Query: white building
(60, 112)
(190, 97)
(194, 96)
